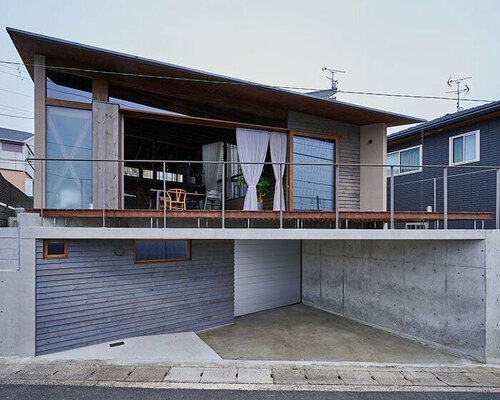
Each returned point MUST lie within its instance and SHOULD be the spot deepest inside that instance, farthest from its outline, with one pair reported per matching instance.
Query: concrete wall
(433, 291)
(349, 152)
(95, 295)
(373, 150)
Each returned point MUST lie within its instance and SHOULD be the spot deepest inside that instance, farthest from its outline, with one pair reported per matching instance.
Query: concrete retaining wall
(434, 291)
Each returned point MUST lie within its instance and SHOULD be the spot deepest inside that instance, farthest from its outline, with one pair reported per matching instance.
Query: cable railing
(69, 184)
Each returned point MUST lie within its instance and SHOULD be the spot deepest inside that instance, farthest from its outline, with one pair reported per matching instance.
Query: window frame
(420, 147)
(464, 135)
(188, 258)
(46, 248)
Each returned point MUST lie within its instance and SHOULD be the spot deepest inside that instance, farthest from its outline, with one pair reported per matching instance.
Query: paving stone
(38, 371)
(184, 374)
(111, 373)
(357, 378)
(289, 376)
(76, 372)
(147, 374)
(484, 378)
(455, 379)
(8, 371)
(219, 375)
(390, 378)
(419, 378)
(254, 375)
(323, 376)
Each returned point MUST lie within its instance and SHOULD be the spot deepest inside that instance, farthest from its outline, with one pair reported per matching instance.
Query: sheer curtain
(211, 152)
(277, 145)
(252, 147)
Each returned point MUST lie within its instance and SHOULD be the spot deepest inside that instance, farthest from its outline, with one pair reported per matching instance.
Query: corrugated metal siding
(349, 177)
(266, 274)
(94, 296)
(467, 191)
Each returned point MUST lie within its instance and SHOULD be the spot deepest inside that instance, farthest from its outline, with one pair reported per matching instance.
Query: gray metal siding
(349, 153)
(266, 274)
(468, 189)
(94, 296)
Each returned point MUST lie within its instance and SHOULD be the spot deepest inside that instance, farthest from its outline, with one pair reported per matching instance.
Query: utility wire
(242, 83)
(14, 92)
(15, 116)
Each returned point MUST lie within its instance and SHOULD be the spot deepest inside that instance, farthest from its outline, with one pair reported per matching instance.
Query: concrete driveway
(302, 333)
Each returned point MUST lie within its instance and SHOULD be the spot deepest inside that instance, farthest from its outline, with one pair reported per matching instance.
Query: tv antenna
(332, 79)
(457, 91)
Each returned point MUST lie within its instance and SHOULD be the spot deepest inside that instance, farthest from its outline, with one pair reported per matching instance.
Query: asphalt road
(31, 392)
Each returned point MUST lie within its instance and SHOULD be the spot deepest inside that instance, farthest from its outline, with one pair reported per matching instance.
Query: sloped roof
(194, 85)
(14, 136)
(446, 120)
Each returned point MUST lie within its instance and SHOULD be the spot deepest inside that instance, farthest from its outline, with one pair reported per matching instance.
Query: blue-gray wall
(94, 296)
(468, 189)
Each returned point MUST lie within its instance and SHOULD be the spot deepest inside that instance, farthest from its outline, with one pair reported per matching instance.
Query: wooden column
(40, 92)
(100, 88)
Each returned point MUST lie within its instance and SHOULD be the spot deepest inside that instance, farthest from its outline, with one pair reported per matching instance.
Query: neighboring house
(468, 138)
(101, 258)
(15, 148)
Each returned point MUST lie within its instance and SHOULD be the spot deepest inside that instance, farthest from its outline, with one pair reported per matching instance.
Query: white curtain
(252, 147)
(277, 145)
(211, 152)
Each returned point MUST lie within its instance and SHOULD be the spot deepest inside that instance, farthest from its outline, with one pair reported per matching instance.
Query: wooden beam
(68, 104)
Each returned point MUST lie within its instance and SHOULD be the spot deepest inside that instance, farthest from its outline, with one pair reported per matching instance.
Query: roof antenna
(332, 79)
(458, 90)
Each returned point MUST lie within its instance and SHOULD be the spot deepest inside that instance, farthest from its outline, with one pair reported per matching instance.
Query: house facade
(105, 254)
(469, 138)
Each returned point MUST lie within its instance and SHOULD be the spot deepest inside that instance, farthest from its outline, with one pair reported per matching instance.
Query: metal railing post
(162, 196)
(281, 198)
(392, 197)
(445, 197)
(497, 222)
(223, 195)
(337, 180)
(43, 194)
(103, 196)
(434, 204)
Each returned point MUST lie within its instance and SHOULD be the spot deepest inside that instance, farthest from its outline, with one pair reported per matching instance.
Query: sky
(386, 46)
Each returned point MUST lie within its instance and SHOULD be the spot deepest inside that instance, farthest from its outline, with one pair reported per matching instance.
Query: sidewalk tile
(76, 372)
(8, 371)
(147, 374)
(390, 378)
(254, 375)
(357, 378)
(219, 375)
(323, 376)
(111, 373)
(289, 376)
(419, 378)
(184, 374)
(455, 379)
(484, 378)
(38, 371)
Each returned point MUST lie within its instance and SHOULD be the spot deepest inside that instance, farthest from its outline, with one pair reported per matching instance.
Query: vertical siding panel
(93, 295)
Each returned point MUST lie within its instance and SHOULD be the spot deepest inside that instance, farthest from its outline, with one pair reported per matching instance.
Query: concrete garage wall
(94, 295)
(433, 291)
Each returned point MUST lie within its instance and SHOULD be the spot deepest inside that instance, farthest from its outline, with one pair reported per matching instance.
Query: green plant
(262, 186)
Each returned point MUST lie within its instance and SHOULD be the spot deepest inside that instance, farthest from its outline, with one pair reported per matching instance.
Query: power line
(14, 92)
(18, 109)
(236, 83)
(15, 116)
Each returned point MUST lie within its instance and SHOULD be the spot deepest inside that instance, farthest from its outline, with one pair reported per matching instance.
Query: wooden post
(40, 94)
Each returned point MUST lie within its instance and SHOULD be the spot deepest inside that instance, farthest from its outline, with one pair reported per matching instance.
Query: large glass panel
(313, 185)
(458, 150)
(470, 147)
(161, 250)
(68, 87)
(410, 157)
(393, 159)
(69, 136)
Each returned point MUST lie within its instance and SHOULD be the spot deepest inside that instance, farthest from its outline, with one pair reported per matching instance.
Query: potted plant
(262, 188)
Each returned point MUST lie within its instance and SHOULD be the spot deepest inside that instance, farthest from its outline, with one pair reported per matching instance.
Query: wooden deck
(360, 216)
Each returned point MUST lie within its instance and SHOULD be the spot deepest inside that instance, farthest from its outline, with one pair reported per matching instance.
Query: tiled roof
(14, 136)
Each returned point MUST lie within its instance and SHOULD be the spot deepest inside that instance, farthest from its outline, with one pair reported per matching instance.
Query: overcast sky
(401, 47)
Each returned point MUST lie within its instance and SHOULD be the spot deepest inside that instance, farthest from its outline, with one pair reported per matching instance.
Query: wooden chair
(175, 200)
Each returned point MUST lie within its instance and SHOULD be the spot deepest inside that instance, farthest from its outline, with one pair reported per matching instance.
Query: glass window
(55, 248)
(393, 159)
(69, 136)
(68, 87)
(464, 148)
(409, 159)
(161, 250)
(313, 185)
(14, 147)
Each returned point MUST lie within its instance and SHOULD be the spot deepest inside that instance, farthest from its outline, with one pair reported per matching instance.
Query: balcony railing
(421, 197)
